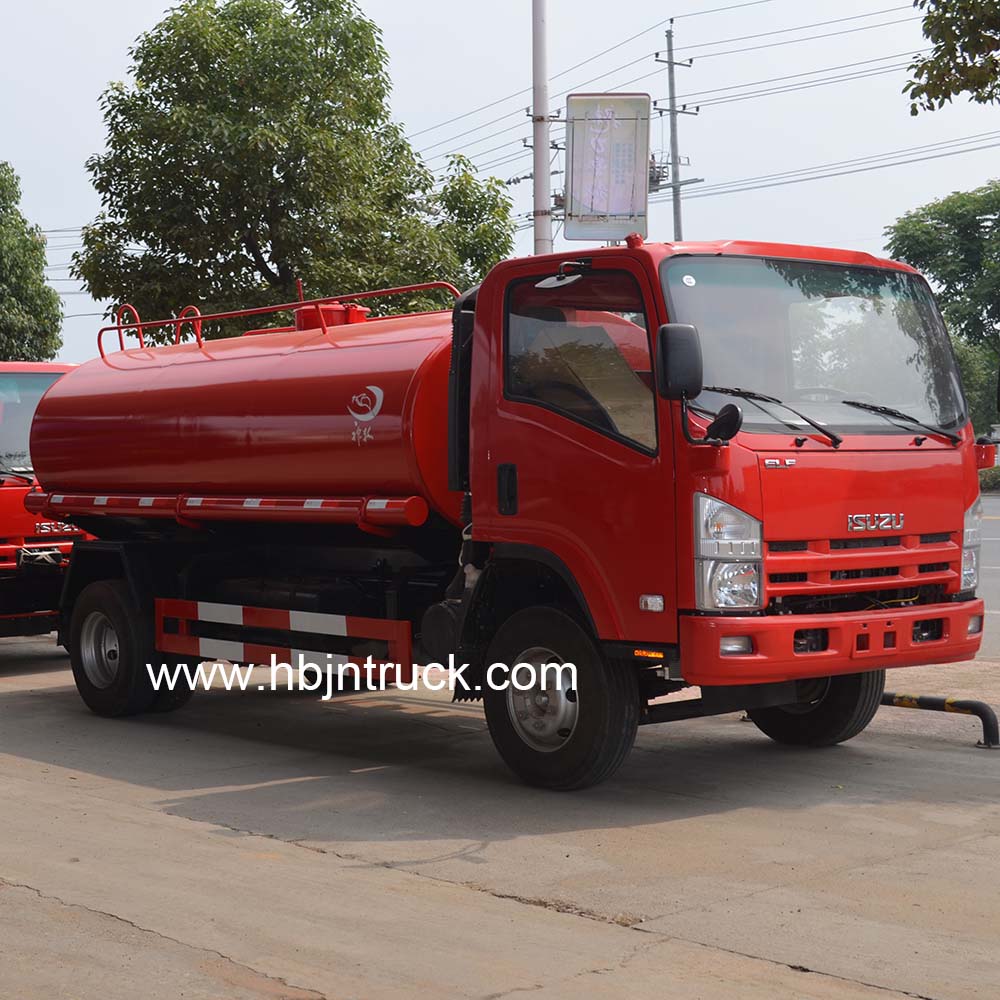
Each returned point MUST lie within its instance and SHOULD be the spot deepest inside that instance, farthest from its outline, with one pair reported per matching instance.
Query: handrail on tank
(186, 317)
(195, 314)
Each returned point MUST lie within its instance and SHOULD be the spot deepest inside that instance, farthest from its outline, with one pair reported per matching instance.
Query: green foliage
(989, 480)
(956, 243)
(253, 147)
(978, 365)
(965, 58)
(30, 310)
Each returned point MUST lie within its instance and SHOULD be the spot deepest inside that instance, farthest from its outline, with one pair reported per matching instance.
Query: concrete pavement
(266, 845)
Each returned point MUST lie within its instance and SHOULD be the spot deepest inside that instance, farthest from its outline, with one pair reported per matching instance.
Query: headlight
(728, 547)
(972, 536)
(730, 584)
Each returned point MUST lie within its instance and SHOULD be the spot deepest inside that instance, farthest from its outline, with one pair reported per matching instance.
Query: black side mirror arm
(690, 438)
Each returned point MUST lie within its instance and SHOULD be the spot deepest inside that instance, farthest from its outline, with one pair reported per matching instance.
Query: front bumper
(864, 640)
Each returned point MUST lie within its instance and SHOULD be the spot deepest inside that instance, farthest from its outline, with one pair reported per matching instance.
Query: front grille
(803, 573)
(864, 574)
(787, 546)
(864, 543)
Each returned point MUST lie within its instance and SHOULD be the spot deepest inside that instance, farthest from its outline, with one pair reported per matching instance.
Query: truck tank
(333, 407)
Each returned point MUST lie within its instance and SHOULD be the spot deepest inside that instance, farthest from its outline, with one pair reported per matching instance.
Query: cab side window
(582, 349)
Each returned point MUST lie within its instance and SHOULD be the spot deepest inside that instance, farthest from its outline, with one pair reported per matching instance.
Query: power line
(795, 76)
(714, 10)
(847, 78)
(858, 165)
(872, 71)
(801, 27)
(809, 38)
(707, 55)
(604, 52)
(861, 159)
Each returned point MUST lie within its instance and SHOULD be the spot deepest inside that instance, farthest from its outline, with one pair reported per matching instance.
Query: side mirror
(727, 423)
(678, 361)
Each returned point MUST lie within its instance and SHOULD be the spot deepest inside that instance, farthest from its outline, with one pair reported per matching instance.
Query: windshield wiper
(758, 397)
(4, 472)
(888, 411)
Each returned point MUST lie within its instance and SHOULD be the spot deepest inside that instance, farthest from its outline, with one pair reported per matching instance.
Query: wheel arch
(107, 560)
(517, 577)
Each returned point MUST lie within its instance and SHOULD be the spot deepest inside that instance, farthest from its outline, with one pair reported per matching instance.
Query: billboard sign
(607, 166)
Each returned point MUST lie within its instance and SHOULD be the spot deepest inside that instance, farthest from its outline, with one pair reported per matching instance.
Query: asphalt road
(269, 846)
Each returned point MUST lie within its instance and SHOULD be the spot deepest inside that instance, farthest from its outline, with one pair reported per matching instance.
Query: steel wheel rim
(545, 715)
(99, 650)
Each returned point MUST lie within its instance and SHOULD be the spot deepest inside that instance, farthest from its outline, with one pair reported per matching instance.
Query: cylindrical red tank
(361, 411)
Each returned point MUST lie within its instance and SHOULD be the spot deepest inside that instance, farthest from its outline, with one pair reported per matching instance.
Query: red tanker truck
(33, 549)
(740, 466)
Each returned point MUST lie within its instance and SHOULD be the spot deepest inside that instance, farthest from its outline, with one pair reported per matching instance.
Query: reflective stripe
(225, 614)
(314, 621)
(221, 649)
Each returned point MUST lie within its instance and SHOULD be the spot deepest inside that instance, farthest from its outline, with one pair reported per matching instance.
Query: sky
(452, 57)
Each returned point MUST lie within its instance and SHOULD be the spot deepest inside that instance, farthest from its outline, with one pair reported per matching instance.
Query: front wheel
(554, 729)
(834, 709)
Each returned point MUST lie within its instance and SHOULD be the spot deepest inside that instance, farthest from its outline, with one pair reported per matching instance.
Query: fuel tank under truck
(343, 411)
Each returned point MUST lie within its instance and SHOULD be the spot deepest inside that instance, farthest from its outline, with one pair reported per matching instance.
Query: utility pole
(674, 111)
(542, 213)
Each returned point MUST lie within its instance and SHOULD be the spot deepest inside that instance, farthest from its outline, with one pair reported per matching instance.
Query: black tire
(606, 700)
(842, 708)
(109, 647)
(166, 700)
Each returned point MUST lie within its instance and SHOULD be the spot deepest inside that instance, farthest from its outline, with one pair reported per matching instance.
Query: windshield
(815, 335)
(19, 396)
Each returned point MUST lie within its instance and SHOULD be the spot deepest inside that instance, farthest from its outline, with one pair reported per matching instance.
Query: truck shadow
(20, 657)
(374, 774)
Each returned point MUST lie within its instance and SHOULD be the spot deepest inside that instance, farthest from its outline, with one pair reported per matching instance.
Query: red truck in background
(33, 549)
(747, 467)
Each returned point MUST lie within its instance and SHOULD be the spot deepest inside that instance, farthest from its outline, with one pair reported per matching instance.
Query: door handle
(507, 489)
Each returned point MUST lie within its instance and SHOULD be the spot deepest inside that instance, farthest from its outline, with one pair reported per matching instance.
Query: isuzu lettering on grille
(874, 522)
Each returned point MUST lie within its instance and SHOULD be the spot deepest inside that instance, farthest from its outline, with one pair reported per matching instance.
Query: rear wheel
(166, 700)
(551, 728)
(834, 709)
(109, 649)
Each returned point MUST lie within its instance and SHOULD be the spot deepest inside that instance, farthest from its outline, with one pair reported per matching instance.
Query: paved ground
(267, 846)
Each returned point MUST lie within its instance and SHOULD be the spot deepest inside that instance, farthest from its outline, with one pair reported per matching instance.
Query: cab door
(578, 465)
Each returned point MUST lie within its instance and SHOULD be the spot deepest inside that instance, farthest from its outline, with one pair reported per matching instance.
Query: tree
(254, 147)
(955, 242)
(978, 366)
(30, 310)
(965, 58)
